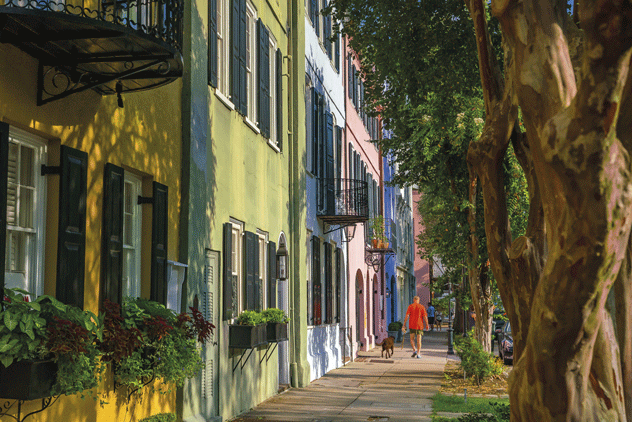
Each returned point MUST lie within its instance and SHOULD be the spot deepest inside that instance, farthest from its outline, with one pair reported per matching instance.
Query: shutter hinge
(46, 170)
(145, 200)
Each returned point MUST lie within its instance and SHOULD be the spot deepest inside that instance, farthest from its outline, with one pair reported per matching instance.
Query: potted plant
(378, 236)
(47, 348)
(395, 330)
(276, 326)
(248, 332)
(144, 341)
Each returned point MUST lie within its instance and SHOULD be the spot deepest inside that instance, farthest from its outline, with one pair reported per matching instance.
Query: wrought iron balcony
(343, 202)
(110, 46)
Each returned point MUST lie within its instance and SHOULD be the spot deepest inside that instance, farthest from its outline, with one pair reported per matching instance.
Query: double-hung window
(236, 267)
(131, 236)
(26, 205)
(223, 51)
(262, 238)
(251, 62)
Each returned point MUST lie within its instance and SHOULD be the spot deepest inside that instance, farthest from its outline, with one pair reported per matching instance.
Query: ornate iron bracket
(377, 258)
(46, 402)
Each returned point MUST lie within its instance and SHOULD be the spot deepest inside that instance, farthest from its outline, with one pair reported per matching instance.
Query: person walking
(431, 316)
(418, 320)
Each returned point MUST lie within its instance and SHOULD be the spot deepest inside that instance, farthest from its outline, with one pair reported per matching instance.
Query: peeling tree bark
(572, 344)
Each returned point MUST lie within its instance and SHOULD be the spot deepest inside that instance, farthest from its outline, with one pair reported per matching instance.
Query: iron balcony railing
(160, 19)
(342, 201)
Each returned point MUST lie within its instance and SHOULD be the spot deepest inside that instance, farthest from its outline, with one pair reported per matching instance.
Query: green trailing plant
(475, 361)
(275, 315)
(161, 417)
(250, 318)
(161, 344)
(46, 329)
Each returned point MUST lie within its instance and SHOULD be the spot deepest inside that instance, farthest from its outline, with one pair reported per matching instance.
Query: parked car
(505, 344)
(499, 320)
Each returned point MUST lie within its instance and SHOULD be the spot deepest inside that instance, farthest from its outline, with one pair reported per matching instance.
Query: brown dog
(388, 345)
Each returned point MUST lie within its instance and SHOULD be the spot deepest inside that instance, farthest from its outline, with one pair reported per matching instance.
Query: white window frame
(237, 236)
(131, 269)
(251, 63)
(223, 46)
(263, 267)
(274, 136)
(32, 278)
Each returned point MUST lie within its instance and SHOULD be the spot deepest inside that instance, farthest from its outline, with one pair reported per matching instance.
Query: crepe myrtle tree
(566, 284)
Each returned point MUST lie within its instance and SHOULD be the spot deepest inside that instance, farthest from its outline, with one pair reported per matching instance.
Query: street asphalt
(370, 388)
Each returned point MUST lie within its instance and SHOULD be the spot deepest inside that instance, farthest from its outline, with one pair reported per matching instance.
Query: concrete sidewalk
(371, 388)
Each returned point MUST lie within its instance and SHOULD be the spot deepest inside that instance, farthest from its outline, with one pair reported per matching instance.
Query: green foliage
(395, 326)
(250, 318)
(275, 315)
(376, 227)
(475, 361)
(162, 417)
(474, 410)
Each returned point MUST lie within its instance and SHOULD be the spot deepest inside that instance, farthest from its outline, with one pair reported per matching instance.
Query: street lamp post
(450, 330)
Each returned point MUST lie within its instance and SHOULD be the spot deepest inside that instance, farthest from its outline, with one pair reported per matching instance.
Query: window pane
(27, 199)
(27, 162)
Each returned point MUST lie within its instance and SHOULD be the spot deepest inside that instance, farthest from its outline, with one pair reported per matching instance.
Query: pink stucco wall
(422, 267)
(364, 304)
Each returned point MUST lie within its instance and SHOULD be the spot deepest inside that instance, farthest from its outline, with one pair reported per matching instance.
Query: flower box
(277, 331)
(27, 380)
(246, 336)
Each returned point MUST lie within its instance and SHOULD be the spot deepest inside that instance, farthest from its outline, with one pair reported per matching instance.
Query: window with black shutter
(350, 78)
(327, 35)
(316, 283)
(329, 294)
(159, 236)
(251, 267)
(4, 174)
(279, 98)
(338, 277)
(316, 131)
(272, 275)
(329, 165)
(71, 247)
(112, 237)
(263, 59)
(238, 85)
(337, 52)
(229, 303)
(212, 42)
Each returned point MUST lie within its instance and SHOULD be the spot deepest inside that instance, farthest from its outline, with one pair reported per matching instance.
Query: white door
(210, 402)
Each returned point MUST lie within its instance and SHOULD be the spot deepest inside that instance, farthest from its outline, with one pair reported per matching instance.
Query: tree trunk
(572, 344)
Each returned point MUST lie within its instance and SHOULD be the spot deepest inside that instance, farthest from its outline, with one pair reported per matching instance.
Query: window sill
(274, 146)
(251, 124)
(228, 103)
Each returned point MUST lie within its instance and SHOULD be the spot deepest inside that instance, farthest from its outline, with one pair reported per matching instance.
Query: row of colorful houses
(183, 151)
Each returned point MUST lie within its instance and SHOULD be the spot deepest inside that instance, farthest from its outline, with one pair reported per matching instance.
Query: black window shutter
(4, 175)
(315, 132)
(313, 13)
(228, 293)
(338, 282)
(327, 34)
(350, 79)
(71, 248)
(243, 78)
(338, 173)
(212, 42)
(316, 20)
(251, 265)
(330, 202)
(337, 53)
(329, 298)
(112, 236)
(316, 286)
(272, 275)
(235, 47)
(264, 79)
(159, 236)
(279, 98)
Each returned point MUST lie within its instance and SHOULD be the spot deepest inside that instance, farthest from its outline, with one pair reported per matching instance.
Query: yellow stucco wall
(143, 137)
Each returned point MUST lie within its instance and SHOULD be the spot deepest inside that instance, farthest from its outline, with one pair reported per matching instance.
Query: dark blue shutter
(337, 52)
(329, 294)
(315, 132)
(228, 293)
(71, 247)
(279, 98)
(251, 265)
(212, 42)
(350, 79)
(264, 79)
(313, 13)
(316, 284)
(4, 176)
(327, 34)
(316, 19)
(159, 237)
(272, 275)
(338, 276)
(238, 90)
(330, 202)
(112, 235)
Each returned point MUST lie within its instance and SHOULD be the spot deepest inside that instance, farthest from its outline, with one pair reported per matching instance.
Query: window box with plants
(378, 233)
(47, 348)
(249, 331)
(276, 327)
(144, 341)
